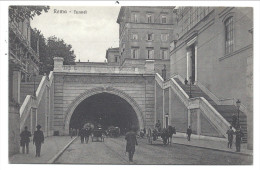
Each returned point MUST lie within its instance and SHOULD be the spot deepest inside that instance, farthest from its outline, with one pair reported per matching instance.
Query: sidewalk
(52, 145)
(210, 144)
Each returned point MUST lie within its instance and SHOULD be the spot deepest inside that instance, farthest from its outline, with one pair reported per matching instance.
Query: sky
(90, 34)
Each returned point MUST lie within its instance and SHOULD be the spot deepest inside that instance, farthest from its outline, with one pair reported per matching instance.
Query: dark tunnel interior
(105, 109)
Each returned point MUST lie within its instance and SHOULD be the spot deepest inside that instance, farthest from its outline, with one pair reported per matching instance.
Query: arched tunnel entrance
(105, 109)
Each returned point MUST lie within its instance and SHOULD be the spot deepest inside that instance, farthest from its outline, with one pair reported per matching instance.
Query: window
(134, 53)
(164, 19)
(150, 36)
(149, 18)
(116, 59)
(229, 35)
(150, 53)
(164, 37)
(135, 36)
(188, 17)
(164, 54)
(134, 17)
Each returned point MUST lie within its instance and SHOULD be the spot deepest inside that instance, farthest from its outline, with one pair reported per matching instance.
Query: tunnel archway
(113, 106)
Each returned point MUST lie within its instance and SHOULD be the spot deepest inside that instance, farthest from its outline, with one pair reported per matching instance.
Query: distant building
(145, 33)
(113, 56)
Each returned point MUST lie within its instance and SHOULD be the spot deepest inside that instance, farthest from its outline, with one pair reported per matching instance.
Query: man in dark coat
(189, 132)
(25, 139)
(82, 133)
(230, 133)
(38, 139)
(131, 141)
(87, 133)
(239, 135)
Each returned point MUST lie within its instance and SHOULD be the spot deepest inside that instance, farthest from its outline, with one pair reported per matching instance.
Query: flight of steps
(225, 110)
(27, 88)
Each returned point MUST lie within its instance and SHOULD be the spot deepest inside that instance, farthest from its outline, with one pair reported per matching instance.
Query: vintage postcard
(121, 84)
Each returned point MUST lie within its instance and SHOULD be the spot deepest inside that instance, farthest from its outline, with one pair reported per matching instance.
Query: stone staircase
(27, 88)
(225, 110)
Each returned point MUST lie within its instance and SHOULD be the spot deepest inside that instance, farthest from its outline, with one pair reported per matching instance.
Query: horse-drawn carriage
(97, 134)
(165, 134)
(113, 131)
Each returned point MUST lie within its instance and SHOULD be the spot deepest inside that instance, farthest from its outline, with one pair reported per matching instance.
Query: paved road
(112, 151)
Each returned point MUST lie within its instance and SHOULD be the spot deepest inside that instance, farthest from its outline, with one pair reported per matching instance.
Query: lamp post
(238, 103)
(164, 72)
(190, 88)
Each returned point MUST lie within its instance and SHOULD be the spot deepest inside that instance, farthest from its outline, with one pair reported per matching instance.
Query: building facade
(23, 64)
(145, 33)
(211, 49)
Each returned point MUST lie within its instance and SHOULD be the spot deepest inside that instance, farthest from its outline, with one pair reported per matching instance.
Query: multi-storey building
(212, 47)
(23, 64)
(20, 50)
(145, 33)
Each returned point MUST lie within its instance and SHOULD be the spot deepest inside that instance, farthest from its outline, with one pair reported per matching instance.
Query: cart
(97, 134)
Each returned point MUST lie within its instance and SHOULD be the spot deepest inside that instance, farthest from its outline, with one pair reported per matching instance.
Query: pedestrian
(234, 120)
(38, 139)
(25, 139)
(189, 132)
(87, 133)
(239, 135)
(144, 131)
(82, 135)
(230, 133)
(131, 141)
(158, 126)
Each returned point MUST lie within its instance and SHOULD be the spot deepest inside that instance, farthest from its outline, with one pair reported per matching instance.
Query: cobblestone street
(112, 151)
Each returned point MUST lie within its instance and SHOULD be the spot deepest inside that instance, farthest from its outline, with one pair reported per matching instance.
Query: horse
(166, 134)
(171, 131)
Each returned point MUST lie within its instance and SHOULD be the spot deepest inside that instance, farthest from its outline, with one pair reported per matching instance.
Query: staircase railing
(227, 101)
(214, 116)
(199, 102)
(25, 109)
(33, 102)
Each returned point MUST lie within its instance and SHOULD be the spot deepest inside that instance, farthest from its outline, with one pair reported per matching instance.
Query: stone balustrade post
(149, 66)
(58, 64)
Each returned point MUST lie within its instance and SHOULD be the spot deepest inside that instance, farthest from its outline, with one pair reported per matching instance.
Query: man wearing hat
(130, 143)
(25, 139)
(38, 139)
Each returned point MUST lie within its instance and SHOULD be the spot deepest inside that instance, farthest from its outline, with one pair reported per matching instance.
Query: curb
(214, 149)
(52, 160)
(238, 153)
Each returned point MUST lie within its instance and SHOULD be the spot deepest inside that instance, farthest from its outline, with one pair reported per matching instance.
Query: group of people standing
(38, 140)
(84, 134)
(239, 134)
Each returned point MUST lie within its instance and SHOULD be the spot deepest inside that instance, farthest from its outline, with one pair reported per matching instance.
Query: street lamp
(238, 103)
(164, 72)
(190, 88)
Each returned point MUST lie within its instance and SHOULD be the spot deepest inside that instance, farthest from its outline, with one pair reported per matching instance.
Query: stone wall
(68, 88)
(178, 114)
(14, 129)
